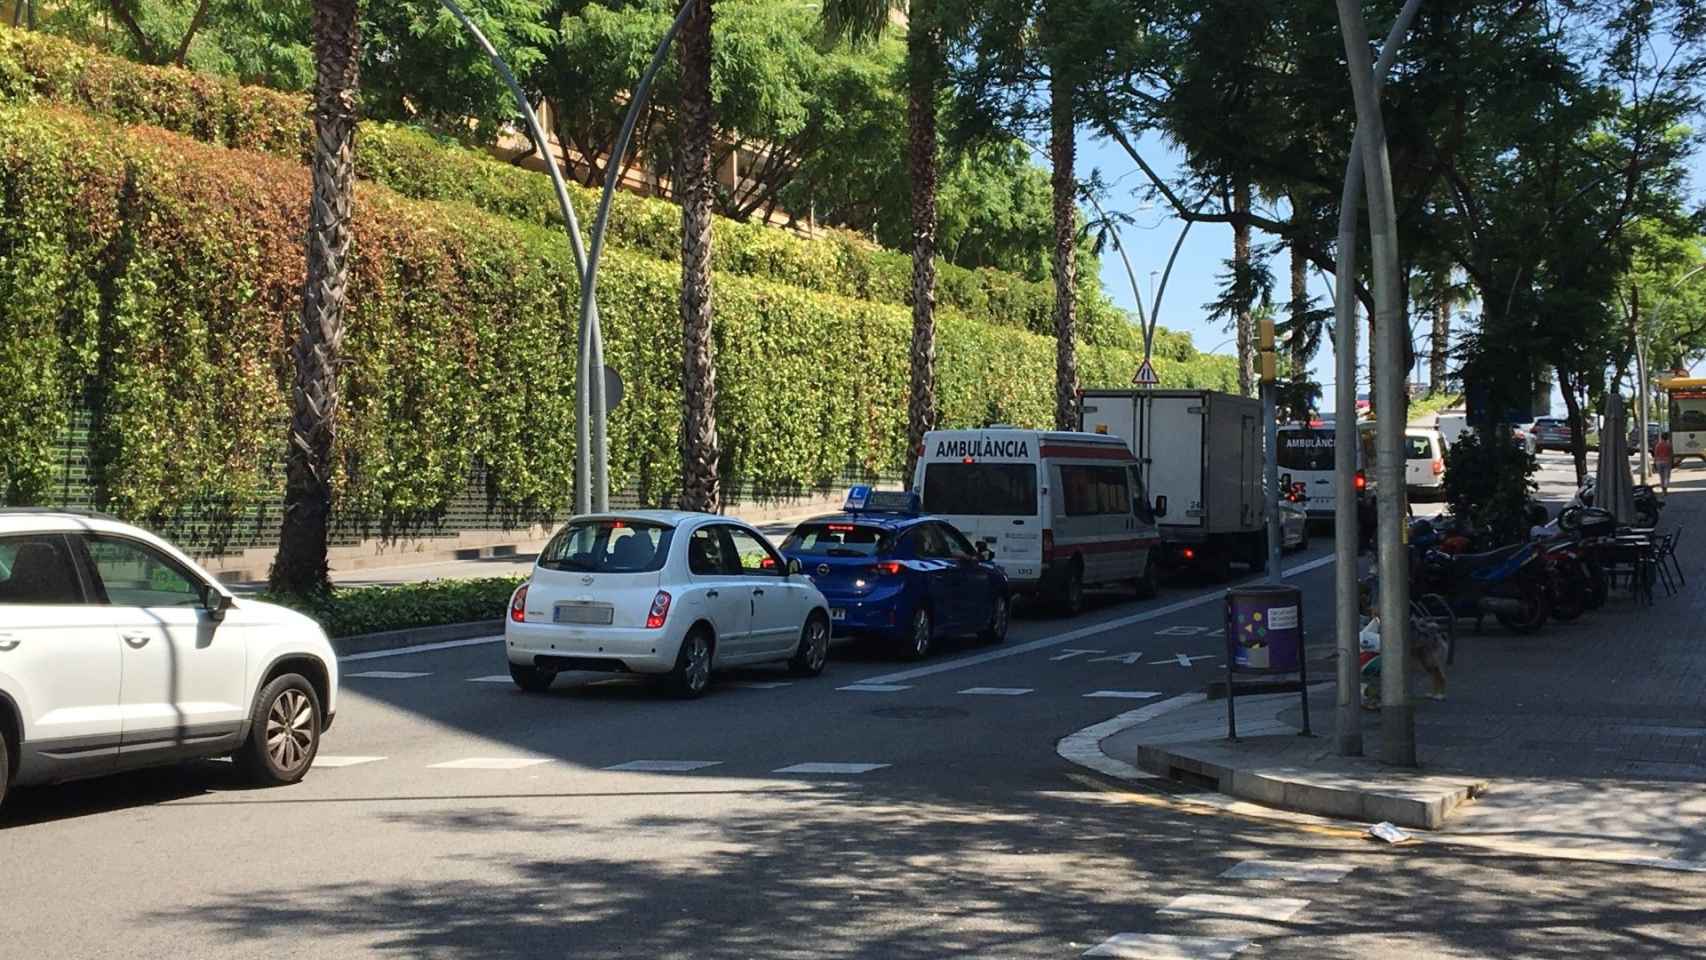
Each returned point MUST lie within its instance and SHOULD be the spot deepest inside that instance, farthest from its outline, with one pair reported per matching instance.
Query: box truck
(1202, 451)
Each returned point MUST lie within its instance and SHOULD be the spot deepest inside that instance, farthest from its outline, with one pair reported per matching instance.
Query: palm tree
(862, 21)
(701, 460)
(300, 566)
(1063, 156)
(1241, 268)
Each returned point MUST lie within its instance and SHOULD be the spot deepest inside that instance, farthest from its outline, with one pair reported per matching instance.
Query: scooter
(1511, 583)
(1647, 501)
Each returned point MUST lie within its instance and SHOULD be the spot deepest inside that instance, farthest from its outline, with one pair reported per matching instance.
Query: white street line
(1125, 694)
(420, 648)
(831, 768)
(329, 760)
(494, 678)
(385, 675)
(1289, 871)
(998, 691)
(759, 684)
(663, 766)
(1161, 946)
(490, 763)
(875, 688)
(1085, 747)
(1272, 909)
(1079, 634)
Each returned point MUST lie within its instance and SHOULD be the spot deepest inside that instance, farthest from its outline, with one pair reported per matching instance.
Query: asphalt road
(923, 813)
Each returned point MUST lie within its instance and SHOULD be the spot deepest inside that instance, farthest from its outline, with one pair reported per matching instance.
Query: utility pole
(1348, 713)
(1397, 714)
(1267, 366)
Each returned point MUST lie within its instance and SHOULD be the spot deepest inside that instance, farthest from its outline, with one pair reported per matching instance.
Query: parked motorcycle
(1509, 583)
(1647, 501)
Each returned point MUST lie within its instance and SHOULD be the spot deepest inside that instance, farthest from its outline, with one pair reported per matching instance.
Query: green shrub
(1488, 482)
(350, 612)
(155, 280)
(36, 67)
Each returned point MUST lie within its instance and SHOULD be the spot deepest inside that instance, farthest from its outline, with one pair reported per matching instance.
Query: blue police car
(888, 571)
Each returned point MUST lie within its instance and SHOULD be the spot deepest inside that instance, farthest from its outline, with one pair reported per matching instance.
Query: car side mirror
(794, 566)
(1161, 505)
(216, 604)
(986, 555)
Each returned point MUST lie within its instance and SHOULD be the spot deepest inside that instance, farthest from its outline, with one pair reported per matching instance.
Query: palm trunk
(923, 56)
(1241, 272)
(1299, 307)
(1437, 371)
(1063, 155)
(700, 458)
(300, 566)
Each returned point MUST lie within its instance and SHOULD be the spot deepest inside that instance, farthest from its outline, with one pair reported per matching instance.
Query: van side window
(1090, 491)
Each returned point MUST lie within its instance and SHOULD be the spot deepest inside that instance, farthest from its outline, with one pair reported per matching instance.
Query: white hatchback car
(665, 593)
(117, 652)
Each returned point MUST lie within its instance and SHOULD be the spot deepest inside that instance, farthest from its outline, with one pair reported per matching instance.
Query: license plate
(837, 614)
(592, 613)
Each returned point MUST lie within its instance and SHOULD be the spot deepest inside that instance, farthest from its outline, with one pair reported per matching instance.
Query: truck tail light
(659, 611)
(1048, 544)
(518, 605)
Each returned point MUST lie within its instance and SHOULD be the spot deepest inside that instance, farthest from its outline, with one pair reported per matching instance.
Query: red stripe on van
(1109, 452)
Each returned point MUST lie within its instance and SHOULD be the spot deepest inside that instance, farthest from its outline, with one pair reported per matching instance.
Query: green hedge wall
(155, 279)
(35, 67)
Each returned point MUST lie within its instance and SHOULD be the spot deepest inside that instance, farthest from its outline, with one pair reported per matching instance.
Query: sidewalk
(1586, 738)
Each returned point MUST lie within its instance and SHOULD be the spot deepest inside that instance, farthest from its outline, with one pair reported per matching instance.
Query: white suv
(665, 593)
(117, 652)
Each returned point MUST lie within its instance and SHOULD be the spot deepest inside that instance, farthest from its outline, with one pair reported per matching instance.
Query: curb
(397, 639)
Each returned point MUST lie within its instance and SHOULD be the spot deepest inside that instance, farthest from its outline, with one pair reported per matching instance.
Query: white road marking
(998, 691)
(1129, 659)
(1182, 631)
(1085, 747)
(831, 768)
(385, 675)
(875, 687)
(664, 766)
(333, 760)
(491, 763)
(1125, 694)
(1289, 870)
(1069, 654)
(1073, 635)
(419, 648)
(1184, 660)
(494, 678)
(1272, 909)
(759, 684)
(1162, 946)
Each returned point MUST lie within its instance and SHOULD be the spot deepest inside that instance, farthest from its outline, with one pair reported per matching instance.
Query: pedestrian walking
(1662, 459)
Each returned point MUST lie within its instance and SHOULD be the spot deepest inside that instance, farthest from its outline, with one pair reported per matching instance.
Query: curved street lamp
(592, 443)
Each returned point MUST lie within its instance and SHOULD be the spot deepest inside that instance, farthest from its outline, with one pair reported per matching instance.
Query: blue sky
(1150, 240)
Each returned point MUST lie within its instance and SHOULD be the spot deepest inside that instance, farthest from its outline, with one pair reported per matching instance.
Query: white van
(1424, 462)
(1306, 455)
(1060, 511)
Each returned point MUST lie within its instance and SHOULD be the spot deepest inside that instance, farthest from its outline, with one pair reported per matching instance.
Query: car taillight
(1439, 467)
(518, 605)
(659, 612)
(1188, 553)
(1361, 480)
(1048, 544)
(888, 568)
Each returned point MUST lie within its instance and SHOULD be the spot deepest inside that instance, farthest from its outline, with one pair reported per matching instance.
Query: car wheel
(813, 651)
(996, 632)
(532, 679)
(918, 641)
(1146, 584)
(1071, 599)
(692, 673)
(284, 732)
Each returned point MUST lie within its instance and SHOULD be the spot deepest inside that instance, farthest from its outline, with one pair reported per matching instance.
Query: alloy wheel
(698, 663)
(290, 730)
(921, 634)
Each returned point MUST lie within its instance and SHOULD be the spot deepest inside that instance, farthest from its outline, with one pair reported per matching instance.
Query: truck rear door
(1175, 451)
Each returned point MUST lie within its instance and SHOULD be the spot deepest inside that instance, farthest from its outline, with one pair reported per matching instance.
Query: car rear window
(1306, 450)
(981, 489)
(608, 546)
(1418, 447)
(837, 540)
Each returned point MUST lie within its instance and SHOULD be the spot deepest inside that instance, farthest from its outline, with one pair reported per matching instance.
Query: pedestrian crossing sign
(1146, 375)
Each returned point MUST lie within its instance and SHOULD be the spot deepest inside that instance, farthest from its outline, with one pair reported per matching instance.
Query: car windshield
(1306, 450)
(608, 546)
(1688, 413)
(837, 540)
(981, 489)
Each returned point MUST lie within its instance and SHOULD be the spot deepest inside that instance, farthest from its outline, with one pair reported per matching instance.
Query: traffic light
(1269, 364)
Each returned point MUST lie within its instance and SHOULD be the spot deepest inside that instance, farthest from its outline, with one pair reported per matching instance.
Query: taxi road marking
(663, 766)
(998, 691)
(875, 687)
(831, 768)
(1125, 694)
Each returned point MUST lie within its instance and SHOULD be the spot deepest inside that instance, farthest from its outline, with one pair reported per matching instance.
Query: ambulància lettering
(1013, 449)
